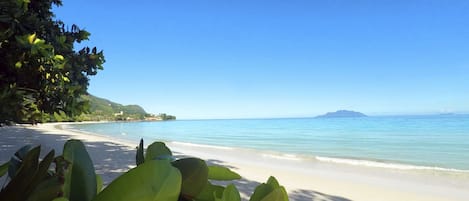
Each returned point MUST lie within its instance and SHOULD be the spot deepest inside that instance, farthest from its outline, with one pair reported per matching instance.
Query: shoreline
(304, 179)
(364, 162)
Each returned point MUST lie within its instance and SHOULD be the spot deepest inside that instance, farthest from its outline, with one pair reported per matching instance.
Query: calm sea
(408, 142)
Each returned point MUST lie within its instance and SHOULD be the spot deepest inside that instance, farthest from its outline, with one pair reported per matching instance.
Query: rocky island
(342, 114)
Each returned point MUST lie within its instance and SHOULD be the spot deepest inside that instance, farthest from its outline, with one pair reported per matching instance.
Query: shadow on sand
(111, 160)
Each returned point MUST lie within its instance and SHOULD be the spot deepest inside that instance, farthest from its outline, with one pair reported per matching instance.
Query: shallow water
(403, 142)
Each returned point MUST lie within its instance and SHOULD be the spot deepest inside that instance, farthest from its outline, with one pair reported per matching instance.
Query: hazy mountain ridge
(342, 114)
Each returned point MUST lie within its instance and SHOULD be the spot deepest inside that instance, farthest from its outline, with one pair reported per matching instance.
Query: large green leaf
(222, 173)
(80, 178)
(261, 191)
(4, 168)
(42, 170)
(270, 191)
(273, 182)
(17, 159)
(139, 158)
(230, 194)
(99, 183)
(157, 150)
(153, 180)
(60, 199)
(279, 194)
(209, 192)
(18, 186)
(194, 176)
(47, 190)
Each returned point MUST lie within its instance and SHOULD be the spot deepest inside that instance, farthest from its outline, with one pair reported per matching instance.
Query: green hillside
(103, 109)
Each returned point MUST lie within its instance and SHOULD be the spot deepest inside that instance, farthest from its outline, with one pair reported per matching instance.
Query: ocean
(439, 142)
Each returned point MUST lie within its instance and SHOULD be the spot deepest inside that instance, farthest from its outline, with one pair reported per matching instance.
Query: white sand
(303, 179)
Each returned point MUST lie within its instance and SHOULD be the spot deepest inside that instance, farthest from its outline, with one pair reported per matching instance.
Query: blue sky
(249, 59)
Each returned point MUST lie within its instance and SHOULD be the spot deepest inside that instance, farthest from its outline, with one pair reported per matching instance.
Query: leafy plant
(158, 176)
(42, 72)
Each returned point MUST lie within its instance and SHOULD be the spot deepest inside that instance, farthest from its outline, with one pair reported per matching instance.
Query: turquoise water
(421, 141)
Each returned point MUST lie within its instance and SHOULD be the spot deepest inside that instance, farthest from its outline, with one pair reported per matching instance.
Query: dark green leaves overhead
(42, 72)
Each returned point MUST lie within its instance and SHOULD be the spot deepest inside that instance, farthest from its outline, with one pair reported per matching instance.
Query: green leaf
(194, 176)
(17, 159)
(140, 157)
(157, 150)
(209, 192)
(273, 182)
(46, 190)
(60, 199)
(222, 173)
(260, 192)
(279, 194)
(58, 57)
(31, 38)
(19, 184)
(99, 183)
(4, 168)
(42, 170)
(270, 191)
(153, 180)
(18, 64)
(80, 178)
(230, 194)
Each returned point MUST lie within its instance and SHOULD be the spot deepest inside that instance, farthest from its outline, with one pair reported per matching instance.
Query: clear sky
(248, 59)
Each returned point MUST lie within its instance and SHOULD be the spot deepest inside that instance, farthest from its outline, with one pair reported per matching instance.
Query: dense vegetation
(158, 176)
(41, 72)
(42, 77)
(103, 109)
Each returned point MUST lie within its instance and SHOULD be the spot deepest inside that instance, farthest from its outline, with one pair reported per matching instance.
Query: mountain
(103, 109)
(341, 114)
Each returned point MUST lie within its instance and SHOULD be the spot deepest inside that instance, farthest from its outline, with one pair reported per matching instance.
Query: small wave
(385, 165)
(200, 145)
(291, 157)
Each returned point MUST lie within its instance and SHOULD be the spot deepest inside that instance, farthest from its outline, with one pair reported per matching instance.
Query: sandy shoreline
(305, 180)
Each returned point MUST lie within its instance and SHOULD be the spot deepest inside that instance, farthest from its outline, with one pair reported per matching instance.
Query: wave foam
(200, 145)
(291, 157)
(367, 163)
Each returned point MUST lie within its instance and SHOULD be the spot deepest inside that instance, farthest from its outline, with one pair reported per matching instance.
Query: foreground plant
(157, 177)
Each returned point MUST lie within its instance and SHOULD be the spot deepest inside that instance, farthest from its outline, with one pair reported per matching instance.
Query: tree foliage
(40, 70)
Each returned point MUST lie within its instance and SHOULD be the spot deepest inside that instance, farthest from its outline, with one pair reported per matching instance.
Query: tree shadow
(311, 195)
(110, 160)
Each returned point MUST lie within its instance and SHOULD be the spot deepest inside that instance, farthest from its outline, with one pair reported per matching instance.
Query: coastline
(303, 179)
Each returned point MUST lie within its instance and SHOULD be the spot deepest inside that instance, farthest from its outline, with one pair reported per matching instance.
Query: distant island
(341, 114)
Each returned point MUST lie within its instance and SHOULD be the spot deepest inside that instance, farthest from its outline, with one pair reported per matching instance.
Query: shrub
(157, 177)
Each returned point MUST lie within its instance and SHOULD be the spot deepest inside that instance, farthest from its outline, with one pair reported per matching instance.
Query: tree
(40, 71)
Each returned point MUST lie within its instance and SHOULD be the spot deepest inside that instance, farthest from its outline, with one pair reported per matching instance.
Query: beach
(303, 179)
